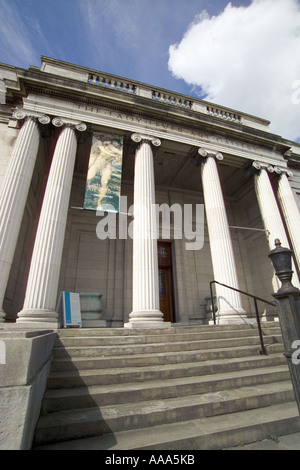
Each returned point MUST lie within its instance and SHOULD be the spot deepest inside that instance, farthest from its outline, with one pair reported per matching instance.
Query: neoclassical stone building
(71, 137)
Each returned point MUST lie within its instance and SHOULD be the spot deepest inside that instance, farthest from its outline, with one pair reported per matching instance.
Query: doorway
(165, 275)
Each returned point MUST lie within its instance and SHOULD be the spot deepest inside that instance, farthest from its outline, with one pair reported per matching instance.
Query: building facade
(139, 196)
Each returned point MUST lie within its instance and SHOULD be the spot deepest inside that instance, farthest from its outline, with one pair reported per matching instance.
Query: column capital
(24, 113)
(136, 137)
(271, 168)
(285, 171)
(202, 154)
(60, 121)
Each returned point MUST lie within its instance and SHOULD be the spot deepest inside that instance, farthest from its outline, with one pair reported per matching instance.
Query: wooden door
(166, 293)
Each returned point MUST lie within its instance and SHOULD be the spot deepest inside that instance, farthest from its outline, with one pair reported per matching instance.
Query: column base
(37, 319)
(146, 319)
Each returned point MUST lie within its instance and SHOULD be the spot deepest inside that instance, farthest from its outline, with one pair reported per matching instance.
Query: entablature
(192, 135)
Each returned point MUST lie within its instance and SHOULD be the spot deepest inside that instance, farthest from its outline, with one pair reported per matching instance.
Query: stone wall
(24, 368)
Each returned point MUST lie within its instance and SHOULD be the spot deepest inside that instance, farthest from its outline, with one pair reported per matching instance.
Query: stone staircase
(200, 387)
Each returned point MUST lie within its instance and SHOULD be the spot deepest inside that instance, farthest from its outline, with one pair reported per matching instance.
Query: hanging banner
(103, 185)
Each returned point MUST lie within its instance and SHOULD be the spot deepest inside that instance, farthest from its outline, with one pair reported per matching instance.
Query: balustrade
(105, 81)
(222, 113)
(171, 99)
(112, 83)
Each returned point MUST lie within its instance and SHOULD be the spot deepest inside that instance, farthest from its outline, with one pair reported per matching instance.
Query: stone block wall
(23, 376)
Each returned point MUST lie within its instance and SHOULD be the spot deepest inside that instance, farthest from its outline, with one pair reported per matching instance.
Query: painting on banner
(103, 184)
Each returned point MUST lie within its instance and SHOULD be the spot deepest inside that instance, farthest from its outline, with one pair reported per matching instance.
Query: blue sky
(130, 38)
(236, 55)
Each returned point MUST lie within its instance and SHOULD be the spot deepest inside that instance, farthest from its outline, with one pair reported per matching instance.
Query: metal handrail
(255, 298)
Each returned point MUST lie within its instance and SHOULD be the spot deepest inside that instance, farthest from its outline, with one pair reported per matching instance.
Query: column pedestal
(145, 290)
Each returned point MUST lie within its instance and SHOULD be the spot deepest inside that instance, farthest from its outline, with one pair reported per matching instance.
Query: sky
(243, 54)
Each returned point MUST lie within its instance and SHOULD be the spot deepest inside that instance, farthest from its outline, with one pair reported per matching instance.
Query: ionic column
(15, 191)
(224, 268)
(41, 293)
(145, 290)
(291, 214)
(270, 214)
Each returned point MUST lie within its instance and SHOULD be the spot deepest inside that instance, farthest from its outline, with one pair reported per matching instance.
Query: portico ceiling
(174, 169)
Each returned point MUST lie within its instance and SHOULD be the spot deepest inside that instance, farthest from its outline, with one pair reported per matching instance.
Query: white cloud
(246, 58)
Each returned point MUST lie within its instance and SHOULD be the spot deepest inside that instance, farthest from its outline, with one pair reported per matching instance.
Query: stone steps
(214, 433)
(174, 330)
(102, 387)
(106, 393)
(87, 422)
(94, 338)
(156, 348)
(93, 376)
(71, 363)
(86, 350)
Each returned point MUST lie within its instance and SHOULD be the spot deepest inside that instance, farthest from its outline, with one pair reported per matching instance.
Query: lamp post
(282, 262)
(287, 300)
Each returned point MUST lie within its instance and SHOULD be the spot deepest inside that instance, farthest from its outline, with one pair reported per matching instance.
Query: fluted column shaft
(224, 268)
(15, 191)
(145, 289)
(271, 216)
(41, 292)
(291, 214)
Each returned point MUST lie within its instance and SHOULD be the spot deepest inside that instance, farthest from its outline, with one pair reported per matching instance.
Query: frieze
(167, 127)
